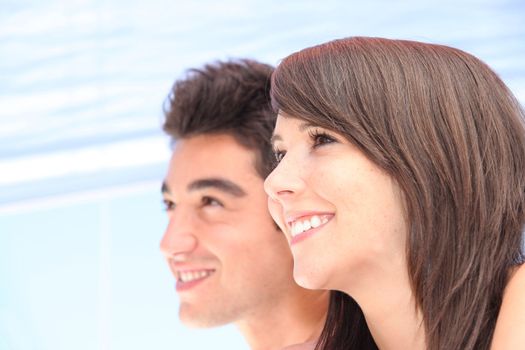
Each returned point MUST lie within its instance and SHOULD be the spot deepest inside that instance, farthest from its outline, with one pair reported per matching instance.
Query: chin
(194, 319)
(204, 317)
(197, 322)
(308, 278)
(191, 321)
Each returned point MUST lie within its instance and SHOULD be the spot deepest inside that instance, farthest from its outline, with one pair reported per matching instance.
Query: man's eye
(206, 200)
(168, 205)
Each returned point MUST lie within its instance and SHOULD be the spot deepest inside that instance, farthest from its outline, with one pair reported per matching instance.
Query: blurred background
(82, 154)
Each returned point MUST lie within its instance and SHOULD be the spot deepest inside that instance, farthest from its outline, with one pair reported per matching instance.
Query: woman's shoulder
(510, 326)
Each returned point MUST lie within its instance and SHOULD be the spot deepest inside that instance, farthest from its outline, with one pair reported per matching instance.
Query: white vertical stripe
(104, 279)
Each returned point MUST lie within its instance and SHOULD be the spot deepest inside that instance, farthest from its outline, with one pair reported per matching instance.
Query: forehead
(212, 156)
(286, 123)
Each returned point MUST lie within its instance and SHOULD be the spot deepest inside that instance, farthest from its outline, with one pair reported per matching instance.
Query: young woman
(401, 183)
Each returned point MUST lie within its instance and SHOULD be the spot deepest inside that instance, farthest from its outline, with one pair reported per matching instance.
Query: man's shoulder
(303, 346)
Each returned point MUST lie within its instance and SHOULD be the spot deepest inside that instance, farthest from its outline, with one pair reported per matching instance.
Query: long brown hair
(452, 135)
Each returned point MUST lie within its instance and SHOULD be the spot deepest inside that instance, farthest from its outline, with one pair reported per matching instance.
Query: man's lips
(189, 273)
(188, 278)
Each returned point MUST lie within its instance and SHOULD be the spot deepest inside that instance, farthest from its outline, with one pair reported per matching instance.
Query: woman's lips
(302, 226)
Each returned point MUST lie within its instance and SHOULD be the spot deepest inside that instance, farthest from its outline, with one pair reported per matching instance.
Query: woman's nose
(285, 180)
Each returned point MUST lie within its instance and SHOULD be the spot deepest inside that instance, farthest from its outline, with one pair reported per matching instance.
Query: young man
(230, 261)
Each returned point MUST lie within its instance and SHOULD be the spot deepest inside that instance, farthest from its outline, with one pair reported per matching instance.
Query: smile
(187, 279)
(304, 226)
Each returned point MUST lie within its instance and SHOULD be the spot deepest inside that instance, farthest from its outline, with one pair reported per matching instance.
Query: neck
(298, 318)
(392, 315)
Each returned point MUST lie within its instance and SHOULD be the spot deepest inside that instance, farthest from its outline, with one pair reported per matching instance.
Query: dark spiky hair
(229, 97)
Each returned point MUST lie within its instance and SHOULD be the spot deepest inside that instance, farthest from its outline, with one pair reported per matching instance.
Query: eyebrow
(164, 188)
(275, 137)
(302, 127)
(220, 184)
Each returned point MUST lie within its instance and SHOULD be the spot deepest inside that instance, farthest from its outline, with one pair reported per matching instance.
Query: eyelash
(278, 155)
(207, 200)
(319, 138)
(168, 205)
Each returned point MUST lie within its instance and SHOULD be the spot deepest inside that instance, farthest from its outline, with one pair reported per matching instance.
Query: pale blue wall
(82, 82)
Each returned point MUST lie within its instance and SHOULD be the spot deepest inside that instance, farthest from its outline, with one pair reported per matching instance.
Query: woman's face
(343, 216)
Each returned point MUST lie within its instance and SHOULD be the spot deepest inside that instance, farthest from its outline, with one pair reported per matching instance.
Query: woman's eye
(279, 155)
(206, 200)
(321, 138)
(168, 205)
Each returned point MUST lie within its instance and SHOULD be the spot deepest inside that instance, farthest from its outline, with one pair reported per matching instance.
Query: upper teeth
(301, 226)
(187, 276)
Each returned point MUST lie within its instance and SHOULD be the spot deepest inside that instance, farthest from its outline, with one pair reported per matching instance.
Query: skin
(511, 319)
(361, 249)
(219, 222)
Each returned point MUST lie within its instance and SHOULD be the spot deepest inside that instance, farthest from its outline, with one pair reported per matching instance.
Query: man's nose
(179, 238)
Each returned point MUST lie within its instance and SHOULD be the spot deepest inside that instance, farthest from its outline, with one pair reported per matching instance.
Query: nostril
(284, 192)
(179, 257)
(284, 181)
(176, 244)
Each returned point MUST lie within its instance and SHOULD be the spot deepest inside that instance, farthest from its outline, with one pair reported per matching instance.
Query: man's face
(229, 260)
